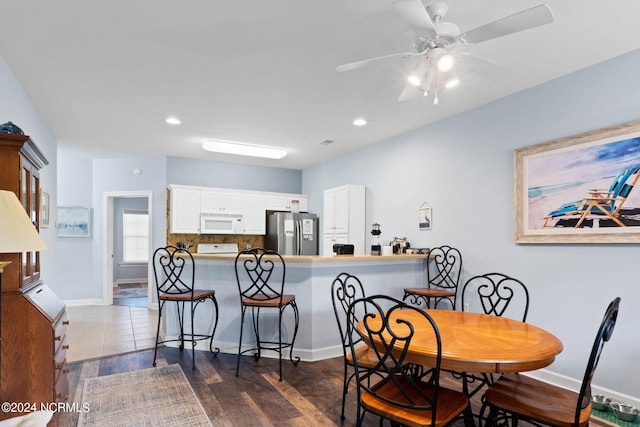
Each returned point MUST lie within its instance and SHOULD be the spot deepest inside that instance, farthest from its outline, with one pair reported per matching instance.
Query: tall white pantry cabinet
(344, 218)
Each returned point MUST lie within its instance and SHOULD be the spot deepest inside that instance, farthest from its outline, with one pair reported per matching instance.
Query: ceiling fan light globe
(452, 82)
(414, 80)
(445, 62)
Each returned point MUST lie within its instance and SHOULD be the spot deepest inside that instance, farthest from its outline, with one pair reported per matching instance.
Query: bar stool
(442, 279)
(260, 274)
(174, 272)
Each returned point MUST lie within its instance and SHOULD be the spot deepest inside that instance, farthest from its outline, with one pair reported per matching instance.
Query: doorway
(127, 275)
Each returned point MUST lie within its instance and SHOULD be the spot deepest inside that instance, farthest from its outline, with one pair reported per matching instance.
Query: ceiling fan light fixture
(236, 148)
(414, 80)
(445, 62)
(452, 82)
(418, 74)
(452, 79)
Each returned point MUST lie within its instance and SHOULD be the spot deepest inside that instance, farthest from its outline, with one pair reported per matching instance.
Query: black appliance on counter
(343, 249)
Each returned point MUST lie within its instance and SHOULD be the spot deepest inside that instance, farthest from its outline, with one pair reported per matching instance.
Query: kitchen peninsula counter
(325, 259)
(309, 278)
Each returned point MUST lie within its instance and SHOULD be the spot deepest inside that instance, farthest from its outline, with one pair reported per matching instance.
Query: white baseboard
(574, 384)
(127, 281)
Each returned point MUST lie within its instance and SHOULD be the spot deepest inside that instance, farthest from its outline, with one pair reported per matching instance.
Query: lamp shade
(17, 233)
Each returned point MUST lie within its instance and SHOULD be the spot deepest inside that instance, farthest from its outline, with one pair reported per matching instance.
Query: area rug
(130, 290)
(149, 397)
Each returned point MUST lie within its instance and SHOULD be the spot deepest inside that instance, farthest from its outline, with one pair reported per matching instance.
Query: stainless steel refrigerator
(292, 233)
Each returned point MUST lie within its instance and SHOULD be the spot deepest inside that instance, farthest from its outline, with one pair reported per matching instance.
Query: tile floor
(97, 330)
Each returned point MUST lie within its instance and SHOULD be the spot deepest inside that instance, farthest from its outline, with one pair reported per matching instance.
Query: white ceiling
(105, 74)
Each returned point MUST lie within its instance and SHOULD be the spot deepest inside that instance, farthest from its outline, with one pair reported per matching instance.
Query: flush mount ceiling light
(359, 122)
(173, 121)
(239, 149)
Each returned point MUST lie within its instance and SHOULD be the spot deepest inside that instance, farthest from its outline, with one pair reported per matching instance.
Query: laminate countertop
(323, 259)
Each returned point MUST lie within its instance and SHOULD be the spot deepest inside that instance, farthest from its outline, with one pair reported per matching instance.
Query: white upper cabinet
(187, 203)
(283, 202)
(336, 210)
(184, 211)
(221, 201)
(254, 213)
(344, 217)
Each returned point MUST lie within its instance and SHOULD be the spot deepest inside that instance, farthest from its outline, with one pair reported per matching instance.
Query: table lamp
(17, 233)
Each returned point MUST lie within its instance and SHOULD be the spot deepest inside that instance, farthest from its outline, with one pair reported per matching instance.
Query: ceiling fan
(437, 43)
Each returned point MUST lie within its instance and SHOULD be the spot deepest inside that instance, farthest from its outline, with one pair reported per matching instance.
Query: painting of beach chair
(600, 202)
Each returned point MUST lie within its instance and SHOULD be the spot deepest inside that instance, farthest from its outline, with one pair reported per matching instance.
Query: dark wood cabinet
(33, 323)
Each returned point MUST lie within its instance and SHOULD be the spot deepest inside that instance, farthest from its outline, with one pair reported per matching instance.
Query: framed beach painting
(74, 221)
(580, 189)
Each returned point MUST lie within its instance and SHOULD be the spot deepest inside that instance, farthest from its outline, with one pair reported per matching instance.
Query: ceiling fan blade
(530, 18)
(357, 64)
(415, 14)
(472, 64)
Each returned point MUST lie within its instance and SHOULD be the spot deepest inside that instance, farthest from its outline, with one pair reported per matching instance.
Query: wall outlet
(466, 307)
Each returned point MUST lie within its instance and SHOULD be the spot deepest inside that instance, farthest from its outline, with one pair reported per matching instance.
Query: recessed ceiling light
(359, 122)
(228, 147)
(173, 120)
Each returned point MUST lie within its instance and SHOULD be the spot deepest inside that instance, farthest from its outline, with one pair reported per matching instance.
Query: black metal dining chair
(345, 289)
(495, 294)
(260, 274)
(399, 395)
(174, 273)
(520, 397)
(444, 266)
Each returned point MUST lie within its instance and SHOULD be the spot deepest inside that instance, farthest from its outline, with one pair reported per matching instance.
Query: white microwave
(221, 223)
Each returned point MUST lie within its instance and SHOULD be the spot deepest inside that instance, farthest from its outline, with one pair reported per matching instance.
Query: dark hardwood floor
(309, 395)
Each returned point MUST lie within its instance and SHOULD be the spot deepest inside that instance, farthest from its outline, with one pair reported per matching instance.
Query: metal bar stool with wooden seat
(260, 274)
(522, 397)
(174, 272)
(442, 284)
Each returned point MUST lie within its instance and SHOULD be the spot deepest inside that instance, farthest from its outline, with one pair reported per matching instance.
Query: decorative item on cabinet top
(10, 128)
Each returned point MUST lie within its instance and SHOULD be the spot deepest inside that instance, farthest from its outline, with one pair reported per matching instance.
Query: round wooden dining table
(477, 343)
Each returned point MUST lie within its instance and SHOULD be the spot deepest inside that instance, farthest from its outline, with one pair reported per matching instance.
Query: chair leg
(215, 326)
(280, 342)
(155, 351)
(181, 323)
(295, 333)
(244, 309)
(193, 341)
(345, 384)
(491, 418)
(255, 314)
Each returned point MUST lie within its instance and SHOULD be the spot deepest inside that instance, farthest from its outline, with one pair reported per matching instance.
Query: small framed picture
(74, 221)
(424, 217)
(44, 209)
